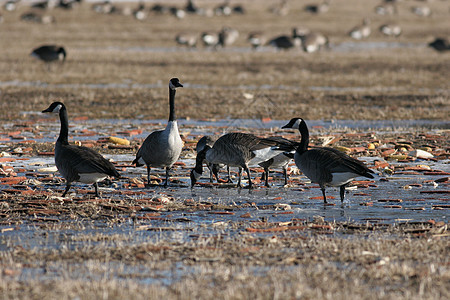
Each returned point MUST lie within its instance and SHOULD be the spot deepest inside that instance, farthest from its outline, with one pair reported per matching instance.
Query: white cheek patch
(57, 108)
(171, 85)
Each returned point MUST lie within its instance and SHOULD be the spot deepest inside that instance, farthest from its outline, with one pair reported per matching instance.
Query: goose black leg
(66, 190)
(148, 175)
(266, 176)
(285, 176)
(239, 177)
(323, 193)
(215, 170)
(249, 178)
(96, 189)
(229, 175)
(167, 177)
(342, 192)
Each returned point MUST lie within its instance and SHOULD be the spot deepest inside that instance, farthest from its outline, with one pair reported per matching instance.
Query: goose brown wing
(338, 162)
(86, 160)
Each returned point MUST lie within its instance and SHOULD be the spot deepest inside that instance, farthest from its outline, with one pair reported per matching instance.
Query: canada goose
(140, 13)
(37, 18)
(325, 166)
(256, 39)
(391, 29)
(361, 32)
(227, 36)
(313, 42)
(320, 8)
(76, 163)
(162, 148)
(281, 9)
(223, 9)
(421, 11)
(237, 150)
(49, 53)
(286, 42)
(386, 9)
(207, 142)
(440, 44)
(210, 39)
(10, 5)
(280, 160)
(191, 8)
(188, 39)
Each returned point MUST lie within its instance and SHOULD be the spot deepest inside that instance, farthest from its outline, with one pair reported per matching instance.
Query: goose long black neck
(172, 116)
(305, 137)
(64, 132)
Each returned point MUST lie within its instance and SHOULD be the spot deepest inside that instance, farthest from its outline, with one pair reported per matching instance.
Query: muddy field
(379, 100)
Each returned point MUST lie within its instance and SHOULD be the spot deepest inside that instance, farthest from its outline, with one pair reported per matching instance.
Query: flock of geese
(162, 148)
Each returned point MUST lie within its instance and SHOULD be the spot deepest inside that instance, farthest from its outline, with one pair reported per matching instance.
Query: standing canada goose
(162, 148)
(237, 150)
(362, 31)
(286, 42)
(49, 53)
(256, 39)
(76, 163)
(391, 29)
(227, 36)
(325, 166)
(188, 39)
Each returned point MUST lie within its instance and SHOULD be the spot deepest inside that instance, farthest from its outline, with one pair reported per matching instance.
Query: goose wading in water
(76, 163)
(162, 148)
(325, 166)
(240, 150)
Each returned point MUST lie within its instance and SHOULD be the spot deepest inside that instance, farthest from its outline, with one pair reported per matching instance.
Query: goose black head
(294, 123)
(55, 107)
(174, 83)
(62, 54)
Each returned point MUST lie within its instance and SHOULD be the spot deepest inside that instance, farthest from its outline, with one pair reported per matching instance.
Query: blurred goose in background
(314, 41)
(11, 5)
(162, 148)
(320, 8)
(256, 39)
(76, 163)
(37, 17)
(386, 9)
(421, 11)
(391, 29)
(227, 36)
(140, 13)
(325, 166)
(440, 44)
(281, 9)
(188, 39)
(286, 42)
(237, 150)
(49, 53)
(210, 39)
(361, 32)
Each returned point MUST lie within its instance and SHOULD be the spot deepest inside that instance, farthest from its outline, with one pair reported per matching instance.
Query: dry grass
(402, 83)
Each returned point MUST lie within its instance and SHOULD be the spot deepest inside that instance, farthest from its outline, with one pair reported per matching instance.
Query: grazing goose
(391, 29)
(325, 166)
(279, 161)
(227, 36)
(256, 39)
(188, 39)
(210, 39)
(162, 148)
(313, 42)
(207, 142)
(286, 42)
(237, 150)
(318, 8)
(76, 163)
(361, 32)
(440, 44)
(49, 53)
